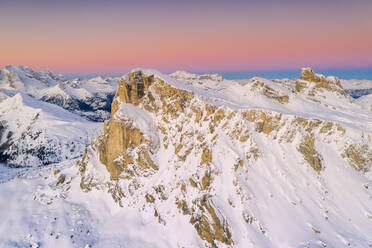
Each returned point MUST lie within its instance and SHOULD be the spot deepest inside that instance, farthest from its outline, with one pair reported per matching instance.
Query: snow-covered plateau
(184, 160)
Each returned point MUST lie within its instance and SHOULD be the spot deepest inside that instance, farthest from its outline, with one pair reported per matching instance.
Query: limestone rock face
(117, 139)
(308, 74)
(307, 148)
(121, 135)
(189, 150)
(327, 83)
(359, 156)
(131, 92)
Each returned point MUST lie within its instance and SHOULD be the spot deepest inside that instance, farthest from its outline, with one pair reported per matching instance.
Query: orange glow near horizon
(113, 39)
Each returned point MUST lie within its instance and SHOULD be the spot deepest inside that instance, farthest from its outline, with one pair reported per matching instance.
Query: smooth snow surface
(34, 212)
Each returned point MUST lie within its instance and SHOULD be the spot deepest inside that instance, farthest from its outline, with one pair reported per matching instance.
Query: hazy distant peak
(190, 76)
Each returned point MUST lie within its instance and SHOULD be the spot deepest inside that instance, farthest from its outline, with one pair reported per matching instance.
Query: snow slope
(34, 133)
(355, 84)
(357, 88)
(90, 98)
(365, 102)
(24, 79)
(200, 161)
(257, 164)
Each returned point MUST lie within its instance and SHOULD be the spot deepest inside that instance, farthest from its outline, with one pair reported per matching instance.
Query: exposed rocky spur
(227, 156)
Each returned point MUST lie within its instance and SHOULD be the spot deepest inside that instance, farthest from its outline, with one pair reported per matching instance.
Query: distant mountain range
(84, 101)
(87, 97)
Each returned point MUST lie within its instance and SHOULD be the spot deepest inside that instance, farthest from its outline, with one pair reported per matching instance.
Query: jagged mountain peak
(308, 74)
(34, 130)
(87, 97)
(24, 71)
(17, 68)
(189, 161)
(222, 158)
(24, 79)
(319, 82)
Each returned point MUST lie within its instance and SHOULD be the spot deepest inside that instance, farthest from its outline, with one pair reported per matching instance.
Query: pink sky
(76, 38)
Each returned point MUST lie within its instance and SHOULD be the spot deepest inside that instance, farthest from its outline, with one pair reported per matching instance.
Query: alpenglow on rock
(254, 163)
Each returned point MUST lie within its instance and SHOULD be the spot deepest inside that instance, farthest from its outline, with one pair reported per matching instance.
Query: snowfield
(45, 118)
(357, 88)
(34, 133)
(202, 162)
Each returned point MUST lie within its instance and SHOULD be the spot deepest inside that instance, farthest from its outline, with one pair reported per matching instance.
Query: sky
(112, 37)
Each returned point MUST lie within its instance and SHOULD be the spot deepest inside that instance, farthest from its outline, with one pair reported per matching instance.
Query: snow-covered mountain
(190, 160)
(220, 163)
(357, 88)
(366, 102)
(90, 98)
(34, 129)
(25, 79)
(34, 133)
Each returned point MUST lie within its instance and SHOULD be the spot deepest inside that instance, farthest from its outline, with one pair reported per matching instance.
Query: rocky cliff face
(318, 82)
(204, 149)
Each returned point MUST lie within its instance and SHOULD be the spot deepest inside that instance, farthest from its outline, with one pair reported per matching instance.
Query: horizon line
(347, 73)
(362, 73)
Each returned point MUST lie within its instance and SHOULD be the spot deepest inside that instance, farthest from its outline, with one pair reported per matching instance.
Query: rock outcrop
(120, 135)
(321, 82)
(183, 148)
